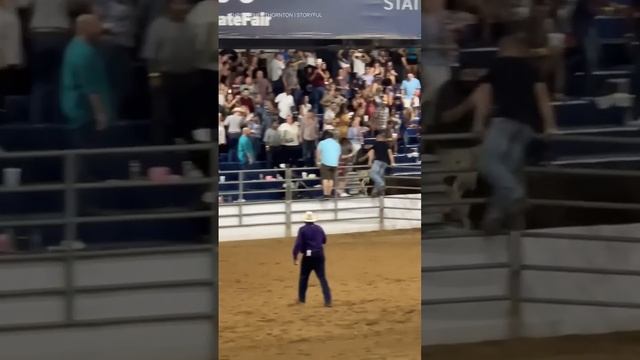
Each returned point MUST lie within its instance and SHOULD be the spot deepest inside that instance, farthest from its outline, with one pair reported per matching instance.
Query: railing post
(288, 193)
(514, 251)
(240, 195)
(381, 211)
(213, 226)
(70, 229)
(336, 181)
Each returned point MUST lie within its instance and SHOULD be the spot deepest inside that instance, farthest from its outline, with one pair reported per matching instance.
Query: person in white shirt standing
(234, 123)
(50, 32)
(119, 20)
(276, 68)
(290, 136)
(204, 19)
(10, 49)
(286, 103)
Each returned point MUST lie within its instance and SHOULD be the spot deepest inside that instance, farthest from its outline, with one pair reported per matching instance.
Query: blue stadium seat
(17, 108)
(584, 113)
(32, 204)
(611, 27)
(37, 170)
(160, 198)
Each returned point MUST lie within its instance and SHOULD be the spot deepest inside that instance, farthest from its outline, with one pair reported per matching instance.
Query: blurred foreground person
(86, 97)
(10, 49)
(520, 99)
(171, 53)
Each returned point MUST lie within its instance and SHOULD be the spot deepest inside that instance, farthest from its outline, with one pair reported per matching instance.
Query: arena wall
(109, 324)
(341, 217)
(463, 323)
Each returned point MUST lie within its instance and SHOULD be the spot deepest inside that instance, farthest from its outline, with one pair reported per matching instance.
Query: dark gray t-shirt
(170, 46)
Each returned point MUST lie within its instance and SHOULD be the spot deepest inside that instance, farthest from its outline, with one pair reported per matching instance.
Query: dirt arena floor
(375, 283)
(618, 346)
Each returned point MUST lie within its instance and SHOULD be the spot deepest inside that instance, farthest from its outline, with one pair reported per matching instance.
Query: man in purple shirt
(310, 242)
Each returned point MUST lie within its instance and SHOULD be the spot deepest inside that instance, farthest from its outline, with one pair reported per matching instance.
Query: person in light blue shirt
(246, 151)
(328, 158)
(410, 86)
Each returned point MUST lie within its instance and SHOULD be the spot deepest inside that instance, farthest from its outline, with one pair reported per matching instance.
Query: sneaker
(344, 194)
(328, 305)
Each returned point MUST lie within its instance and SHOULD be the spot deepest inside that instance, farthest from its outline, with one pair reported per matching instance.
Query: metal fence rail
(514, 264)
(70, 219)
(290, 188)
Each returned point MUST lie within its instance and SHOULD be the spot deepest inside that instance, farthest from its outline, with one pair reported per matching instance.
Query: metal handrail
(556, 136)
(288, 191)
(515, 263)
(70, 220)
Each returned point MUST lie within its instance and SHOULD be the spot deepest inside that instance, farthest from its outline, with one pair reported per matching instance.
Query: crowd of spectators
(562, 35)
(284, 102)
(558, 38)
(78, 61)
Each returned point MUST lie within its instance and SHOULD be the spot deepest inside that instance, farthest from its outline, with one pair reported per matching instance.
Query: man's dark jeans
(273, 157)
(87, 169)
(174, 107)
(308, 152)
(316, 264)
(47, 51)
(85, 137)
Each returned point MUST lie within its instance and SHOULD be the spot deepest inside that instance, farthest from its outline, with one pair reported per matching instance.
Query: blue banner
(319, 19)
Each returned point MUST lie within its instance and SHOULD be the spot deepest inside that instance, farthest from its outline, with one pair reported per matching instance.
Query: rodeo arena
(286, 94)
(560, 281)
(109, 226)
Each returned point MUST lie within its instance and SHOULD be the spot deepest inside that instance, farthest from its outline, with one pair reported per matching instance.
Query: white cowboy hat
(309, 217)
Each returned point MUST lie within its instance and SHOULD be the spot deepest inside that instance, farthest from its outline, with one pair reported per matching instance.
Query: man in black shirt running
(380, 157)
(520, 100)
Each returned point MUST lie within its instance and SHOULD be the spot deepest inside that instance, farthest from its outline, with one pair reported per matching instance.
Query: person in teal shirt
(86, 97)
(246, 151)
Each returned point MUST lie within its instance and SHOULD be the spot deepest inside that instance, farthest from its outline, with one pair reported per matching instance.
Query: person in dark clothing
(520, 99)
(380, 158)
(310, 243)
(584, 52)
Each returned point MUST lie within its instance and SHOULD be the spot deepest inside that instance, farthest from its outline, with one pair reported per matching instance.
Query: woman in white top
(290, 135)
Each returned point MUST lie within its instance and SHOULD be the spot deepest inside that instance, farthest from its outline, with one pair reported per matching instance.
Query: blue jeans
(377, 173)
(316, 97)
(309, 264)
(309, 152)
(119, 65)
(502, 163)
